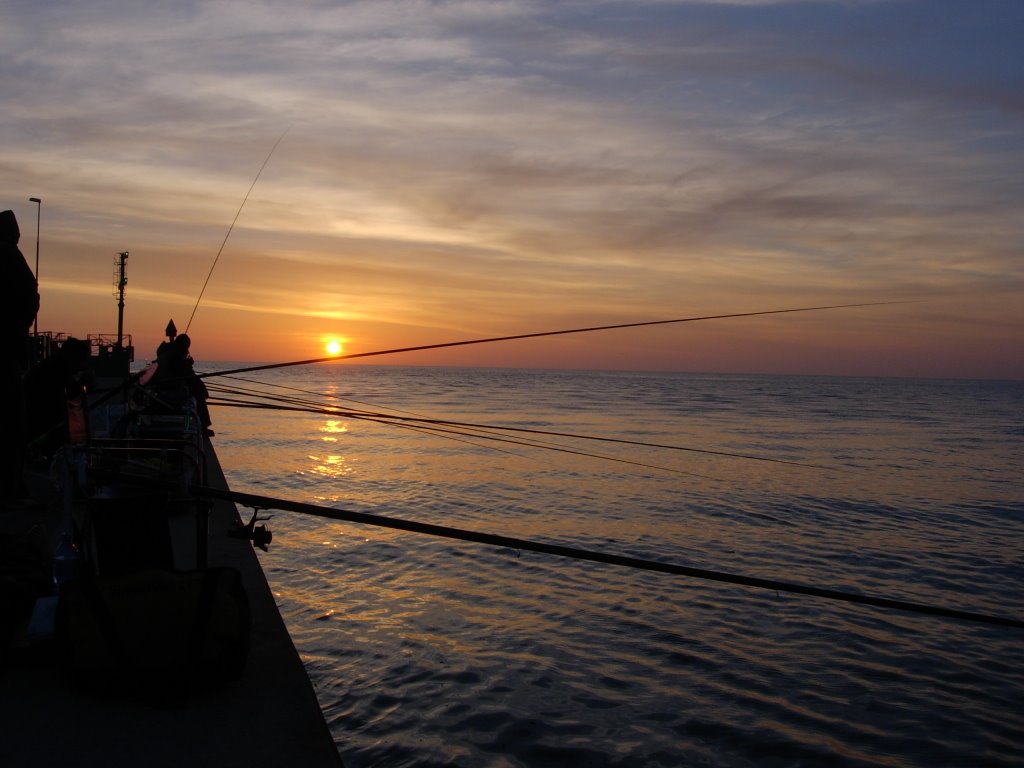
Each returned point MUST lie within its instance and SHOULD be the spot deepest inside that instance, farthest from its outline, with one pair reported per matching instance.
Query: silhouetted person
(174, 371)
(48, 389)
(18, 307)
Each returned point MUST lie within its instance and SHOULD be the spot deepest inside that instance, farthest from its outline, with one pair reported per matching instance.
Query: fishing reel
(259, 535)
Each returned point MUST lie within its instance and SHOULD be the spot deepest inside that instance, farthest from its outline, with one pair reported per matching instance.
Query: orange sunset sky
(456, 170)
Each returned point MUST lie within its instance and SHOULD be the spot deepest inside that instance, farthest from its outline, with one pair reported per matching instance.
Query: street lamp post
(39, 216)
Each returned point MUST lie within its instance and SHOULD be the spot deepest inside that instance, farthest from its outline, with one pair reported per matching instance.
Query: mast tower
(120, 281)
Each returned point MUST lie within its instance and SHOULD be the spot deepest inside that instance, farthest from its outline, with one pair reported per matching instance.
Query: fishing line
(239, 213)
(292, 399)
(450, 433)
(385, 418)
(272, 366)
(325, 395)
(270, 396)
(548, 446)
(331, 513)
(433, 426)
(487, 433)
(439, 429)
(640, 443)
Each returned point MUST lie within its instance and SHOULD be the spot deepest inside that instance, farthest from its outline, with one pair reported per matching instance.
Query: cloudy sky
(455, 170)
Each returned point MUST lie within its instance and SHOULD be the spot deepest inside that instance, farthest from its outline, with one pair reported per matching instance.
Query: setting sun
(333, 347)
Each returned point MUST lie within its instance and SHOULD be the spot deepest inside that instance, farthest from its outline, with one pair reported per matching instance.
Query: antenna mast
(120, 281)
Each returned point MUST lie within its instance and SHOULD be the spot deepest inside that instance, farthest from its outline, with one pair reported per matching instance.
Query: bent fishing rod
(231, 228)
(539, 334)
(258, 503)
(135, 377)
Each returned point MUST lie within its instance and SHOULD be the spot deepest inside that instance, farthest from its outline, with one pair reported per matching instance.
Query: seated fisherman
(175, 373)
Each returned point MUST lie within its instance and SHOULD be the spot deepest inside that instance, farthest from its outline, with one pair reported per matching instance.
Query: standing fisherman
(18, 310)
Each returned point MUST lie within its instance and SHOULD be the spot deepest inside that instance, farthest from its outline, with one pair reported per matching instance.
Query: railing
(103, 346)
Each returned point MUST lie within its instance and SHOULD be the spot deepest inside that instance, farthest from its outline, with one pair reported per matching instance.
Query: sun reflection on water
(331, 428)
(331, 465)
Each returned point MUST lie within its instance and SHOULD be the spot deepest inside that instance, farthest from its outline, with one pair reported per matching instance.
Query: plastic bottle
(65, 560)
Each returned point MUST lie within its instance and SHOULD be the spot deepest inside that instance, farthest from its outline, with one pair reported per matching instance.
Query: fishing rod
(354, 355)
(237, 214)
(258, 503)
(135, 376)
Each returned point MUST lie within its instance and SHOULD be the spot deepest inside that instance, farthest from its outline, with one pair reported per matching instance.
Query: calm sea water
(427, 651)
